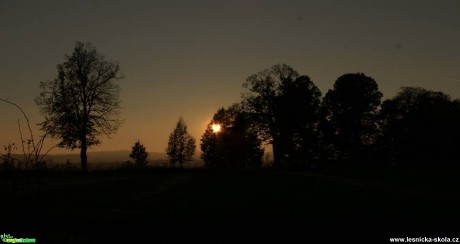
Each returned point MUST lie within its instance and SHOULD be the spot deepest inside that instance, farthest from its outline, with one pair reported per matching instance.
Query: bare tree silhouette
(83, 102)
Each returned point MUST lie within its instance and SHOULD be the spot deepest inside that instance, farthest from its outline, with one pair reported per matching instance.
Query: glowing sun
(216, 128)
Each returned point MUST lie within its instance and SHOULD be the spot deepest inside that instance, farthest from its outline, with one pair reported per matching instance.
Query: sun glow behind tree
(216, 128)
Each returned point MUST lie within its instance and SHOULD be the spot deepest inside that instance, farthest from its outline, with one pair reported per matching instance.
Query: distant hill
(103, 157)
(115, 158)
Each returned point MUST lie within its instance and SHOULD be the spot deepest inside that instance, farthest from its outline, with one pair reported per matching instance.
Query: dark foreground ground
(196, 206)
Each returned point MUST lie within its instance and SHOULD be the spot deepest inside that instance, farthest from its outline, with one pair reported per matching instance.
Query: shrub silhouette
(7, 158)
(31, 148)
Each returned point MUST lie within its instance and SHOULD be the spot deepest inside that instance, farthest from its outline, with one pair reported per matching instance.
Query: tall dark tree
(181, 145)
(349, 110)
(297, 113)
(230, 142)
(139, 155)
(420, 127)
(82, 103)
(283, 107)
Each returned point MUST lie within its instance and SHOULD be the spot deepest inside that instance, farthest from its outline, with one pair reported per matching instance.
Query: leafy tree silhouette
(283, 109)
(297, 112)
(235, 145)
(139, 155)
(420, 127)
(349, 110)
(181, 145)
(82, 103)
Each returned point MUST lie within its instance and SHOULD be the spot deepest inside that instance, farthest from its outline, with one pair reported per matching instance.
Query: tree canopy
(349, 112)
(420, 127)
(282, 106)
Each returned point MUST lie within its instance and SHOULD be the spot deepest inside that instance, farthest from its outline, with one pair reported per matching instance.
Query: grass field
(199, 206)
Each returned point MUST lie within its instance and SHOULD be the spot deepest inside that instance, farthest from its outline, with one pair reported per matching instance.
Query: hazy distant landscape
(103, 157)
(114, 159)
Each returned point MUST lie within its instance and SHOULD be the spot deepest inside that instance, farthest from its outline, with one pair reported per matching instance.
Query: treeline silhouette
(349, 126)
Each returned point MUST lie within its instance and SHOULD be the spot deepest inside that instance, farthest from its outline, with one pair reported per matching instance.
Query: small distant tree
(139, 155)
(181, 145)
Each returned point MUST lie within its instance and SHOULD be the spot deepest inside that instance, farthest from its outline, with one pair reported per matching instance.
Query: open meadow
(262, 206)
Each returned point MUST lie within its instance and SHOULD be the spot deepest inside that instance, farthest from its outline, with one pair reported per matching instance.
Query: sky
(190, 58)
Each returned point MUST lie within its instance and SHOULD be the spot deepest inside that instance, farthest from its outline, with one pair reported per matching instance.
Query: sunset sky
(189, 58)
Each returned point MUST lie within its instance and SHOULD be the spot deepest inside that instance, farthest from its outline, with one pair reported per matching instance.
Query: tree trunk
(84, 128)
(277, 153)
(83, 159)
(83, 156)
